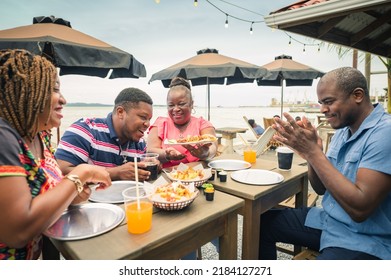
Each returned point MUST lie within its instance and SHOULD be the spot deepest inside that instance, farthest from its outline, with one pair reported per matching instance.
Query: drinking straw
(136, 175)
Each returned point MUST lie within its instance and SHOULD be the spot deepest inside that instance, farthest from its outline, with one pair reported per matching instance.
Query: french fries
(173, 192)
(188, 174)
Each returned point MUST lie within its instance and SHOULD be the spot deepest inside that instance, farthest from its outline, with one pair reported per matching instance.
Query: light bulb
(226, 22)
(304, 48)
(195, 3)
(251, 29)
(157, 1)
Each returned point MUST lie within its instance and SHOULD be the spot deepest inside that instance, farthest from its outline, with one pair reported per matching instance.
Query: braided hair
(26, 85)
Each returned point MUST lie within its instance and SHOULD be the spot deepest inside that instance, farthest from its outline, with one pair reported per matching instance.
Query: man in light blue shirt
(355, 177)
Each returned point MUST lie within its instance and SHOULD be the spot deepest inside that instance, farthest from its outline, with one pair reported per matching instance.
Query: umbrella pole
(282, 96)
(208, 89)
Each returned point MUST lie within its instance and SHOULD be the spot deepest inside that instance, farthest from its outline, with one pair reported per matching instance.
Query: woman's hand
(173, 154)
(200, 151)
(85, 194)
(91, 175)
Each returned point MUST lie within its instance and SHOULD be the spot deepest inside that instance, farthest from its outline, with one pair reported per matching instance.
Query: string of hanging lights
(252, 22)
(301, 43)
(227, 15)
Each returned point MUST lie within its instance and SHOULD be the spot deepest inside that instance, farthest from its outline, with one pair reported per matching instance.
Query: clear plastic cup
(139, 219)
(151, 164)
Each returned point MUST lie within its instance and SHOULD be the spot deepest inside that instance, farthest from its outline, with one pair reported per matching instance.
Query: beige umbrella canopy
(72, 51)
(294, 73)
(209, 67)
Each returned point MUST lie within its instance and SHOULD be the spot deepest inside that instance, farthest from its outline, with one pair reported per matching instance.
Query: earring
(193, 111)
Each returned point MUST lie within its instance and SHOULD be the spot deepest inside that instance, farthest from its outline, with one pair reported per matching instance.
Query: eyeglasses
(180, 106)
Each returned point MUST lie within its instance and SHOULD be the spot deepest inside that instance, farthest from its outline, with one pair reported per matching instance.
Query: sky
(162, 34)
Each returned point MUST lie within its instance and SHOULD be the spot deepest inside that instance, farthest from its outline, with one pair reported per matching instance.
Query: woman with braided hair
(33, 192)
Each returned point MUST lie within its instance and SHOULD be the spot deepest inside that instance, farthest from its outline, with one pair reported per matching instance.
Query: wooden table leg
(253, 209)
(228, 250)
(251, 230)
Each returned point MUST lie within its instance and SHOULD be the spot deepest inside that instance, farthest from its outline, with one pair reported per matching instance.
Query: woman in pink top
(180, 124)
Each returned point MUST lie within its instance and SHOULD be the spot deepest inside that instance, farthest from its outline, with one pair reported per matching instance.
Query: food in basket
(173, 192)
(188, 174)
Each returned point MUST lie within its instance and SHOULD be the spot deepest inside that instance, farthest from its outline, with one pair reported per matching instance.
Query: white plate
(257, 177)
(112, 194)
(173, 142)
(85, 221)
(229, 164)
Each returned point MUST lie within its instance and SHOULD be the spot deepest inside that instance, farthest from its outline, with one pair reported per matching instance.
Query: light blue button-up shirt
(369, 147)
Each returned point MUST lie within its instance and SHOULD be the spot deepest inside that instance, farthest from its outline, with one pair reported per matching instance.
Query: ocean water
(219, 116)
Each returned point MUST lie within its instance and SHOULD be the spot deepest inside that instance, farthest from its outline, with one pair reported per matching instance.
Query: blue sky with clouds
(160, 35)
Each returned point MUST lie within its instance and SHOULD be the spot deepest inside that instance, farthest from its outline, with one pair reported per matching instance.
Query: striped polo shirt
(94, 141)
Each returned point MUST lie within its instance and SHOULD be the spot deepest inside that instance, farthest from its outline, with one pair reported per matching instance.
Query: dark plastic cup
(285, 157)
(213, 175)
(209, 196)
(223, 176)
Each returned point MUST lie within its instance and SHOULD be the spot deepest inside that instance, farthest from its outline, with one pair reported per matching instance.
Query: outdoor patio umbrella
(72, 51)
(209, 67)
(284, 68)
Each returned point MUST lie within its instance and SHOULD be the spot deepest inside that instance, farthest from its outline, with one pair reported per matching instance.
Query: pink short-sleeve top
(167, 130)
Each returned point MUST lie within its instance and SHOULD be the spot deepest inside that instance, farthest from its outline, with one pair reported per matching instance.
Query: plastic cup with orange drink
(249, 155)
(138, 212)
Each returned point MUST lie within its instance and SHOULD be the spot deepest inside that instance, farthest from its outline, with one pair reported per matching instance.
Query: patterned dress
(40, 175)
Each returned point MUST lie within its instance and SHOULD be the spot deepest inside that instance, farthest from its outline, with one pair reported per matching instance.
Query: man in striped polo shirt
(110, 142)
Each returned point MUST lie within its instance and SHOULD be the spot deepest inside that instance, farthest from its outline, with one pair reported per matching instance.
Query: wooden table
(174, 234)
(259, 199)
(229, 133)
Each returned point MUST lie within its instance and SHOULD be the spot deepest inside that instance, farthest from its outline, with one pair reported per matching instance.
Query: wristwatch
(75, 179)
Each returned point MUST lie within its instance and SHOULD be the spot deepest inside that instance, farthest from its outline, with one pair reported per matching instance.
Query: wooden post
(368, 70)
(355, 58)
